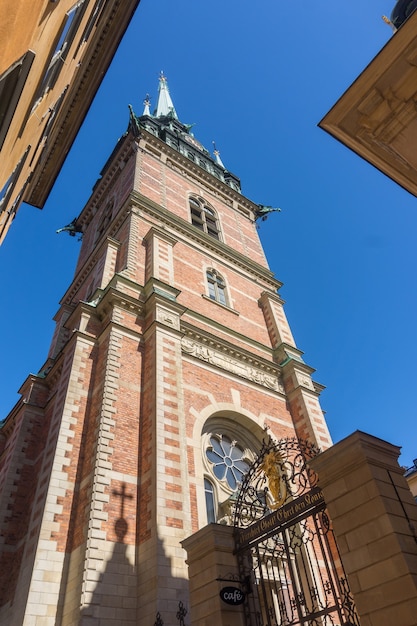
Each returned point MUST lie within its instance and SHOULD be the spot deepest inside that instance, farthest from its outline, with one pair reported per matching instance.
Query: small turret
(146, 105)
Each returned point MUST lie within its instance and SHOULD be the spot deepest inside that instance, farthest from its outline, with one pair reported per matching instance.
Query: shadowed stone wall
(375, 519)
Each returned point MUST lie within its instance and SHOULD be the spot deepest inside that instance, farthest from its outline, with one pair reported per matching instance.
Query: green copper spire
(165, 106)
(164, 123)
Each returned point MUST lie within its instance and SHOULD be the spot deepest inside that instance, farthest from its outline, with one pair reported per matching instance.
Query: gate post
(374, 519)
(210, 557)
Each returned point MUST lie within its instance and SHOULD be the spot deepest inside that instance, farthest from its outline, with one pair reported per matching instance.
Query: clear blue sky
(256, 77)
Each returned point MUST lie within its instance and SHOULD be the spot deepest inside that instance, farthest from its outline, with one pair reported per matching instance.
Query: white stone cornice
(112, 297)
(224, 356)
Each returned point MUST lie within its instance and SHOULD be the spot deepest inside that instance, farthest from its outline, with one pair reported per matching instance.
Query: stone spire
(165, 106)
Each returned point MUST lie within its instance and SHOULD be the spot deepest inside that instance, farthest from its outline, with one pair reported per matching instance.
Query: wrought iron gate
(285, 545)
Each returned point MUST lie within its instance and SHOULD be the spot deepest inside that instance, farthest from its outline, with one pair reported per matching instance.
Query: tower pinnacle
(165, 106)
(146, 104)
(217, 156)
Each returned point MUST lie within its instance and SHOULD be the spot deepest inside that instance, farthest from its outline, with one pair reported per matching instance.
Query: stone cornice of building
(318, 387)
(122, 329)
(162, 311)
(286, 352)
(190, 169)
(113, 297)
(271, 296)
(224, 355)
(376, 116)
(189, 231)
(217, 326)
(6, 428)
(64, 307)
(51, 371)
(110, 28)
(124, 149)
(89, 264)
(290, 361)
(104, 302)
(154, 285)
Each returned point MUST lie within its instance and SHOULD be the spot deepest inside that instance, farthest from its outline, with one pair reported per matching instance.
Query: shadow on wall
(114, 597)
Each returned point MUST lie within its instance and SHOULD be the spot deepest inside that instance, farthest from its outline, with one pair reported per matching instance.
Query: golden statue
(276, 485)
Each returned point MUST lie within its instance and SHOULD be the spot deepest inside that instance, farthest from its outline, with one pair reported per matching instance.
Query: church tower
(172, 360)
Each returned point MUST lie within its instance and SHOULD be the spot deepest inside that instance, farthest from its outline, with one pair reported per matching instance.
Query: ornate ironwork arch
(279, 474)
(289, 564)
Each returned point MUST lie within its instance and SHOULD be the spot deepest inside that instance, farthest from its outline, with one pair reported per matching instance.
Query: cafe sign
(232, 595)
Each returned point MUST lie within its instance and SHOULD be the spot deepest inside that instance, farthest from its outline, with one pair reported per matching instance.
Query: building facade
(53, 58)
(376, 117)
(171, 362)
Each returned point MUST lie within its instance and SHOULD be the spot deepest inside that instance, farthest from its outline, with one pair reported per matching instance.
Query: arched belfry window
(204, 217)
(216, 286)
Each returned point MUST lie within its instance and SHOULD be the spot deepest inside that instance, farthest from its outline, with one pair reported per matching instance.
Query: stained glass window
(226, 458)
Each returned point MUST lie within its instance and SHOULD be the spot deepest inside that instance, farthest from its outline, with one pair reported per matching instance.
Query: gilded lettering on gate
(291, 513)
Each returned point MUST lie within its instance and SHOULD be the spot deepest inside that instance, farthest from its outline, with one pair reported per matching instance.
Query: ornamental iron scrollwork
(279, 475)
(285, 544)
(181, 613)
(158, 620)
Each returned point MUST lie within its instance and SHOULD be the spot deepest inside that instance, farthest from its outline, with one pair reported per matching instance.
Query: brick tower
(171, 357)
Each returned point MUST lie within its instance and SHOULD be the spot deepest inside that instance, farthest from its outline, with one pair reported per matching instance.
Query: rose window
(227, 461)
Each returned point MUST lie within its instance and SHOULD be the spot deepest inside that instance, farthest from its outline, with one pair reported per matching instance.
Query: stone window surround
(204, 217)
(216, 286)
